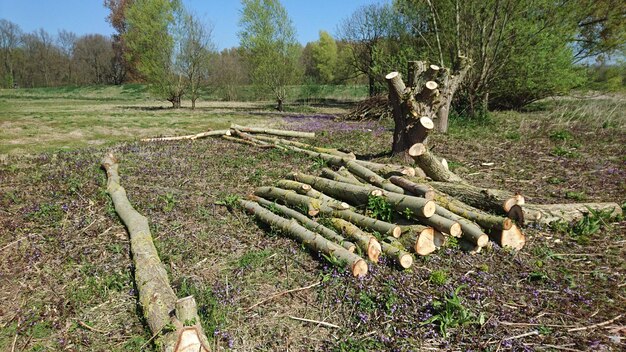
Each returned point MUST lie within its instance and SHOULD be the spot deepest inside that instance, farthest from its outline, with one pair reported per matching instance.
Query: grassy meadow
(66, 272)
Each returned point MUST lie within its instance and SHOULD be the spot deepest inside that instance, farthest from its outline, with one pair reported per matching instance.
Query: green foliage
(324, 57)
(379, 208)
(438, 277)
(450, 313)
(555, 180)
(268, 39)
(230, 201)
(253, 259)
(577, 196)
(587, 226)
(168, 202)
(561, 135)
(366, 302)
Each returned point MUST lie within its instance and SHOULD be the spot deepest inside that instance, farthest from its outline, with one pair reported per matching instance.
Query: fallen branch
(156, 296)
(323, 323)
(596, 325)
(548, 213)
(367, 242)
(189, 136)
(275, 132)
(283, 293)
(311, 240)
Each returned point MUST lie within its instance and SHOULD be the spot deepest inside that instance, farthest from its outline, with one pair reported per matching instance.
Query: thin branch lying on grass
(596, 325)
(283, 293)
(189, 136)
(323, 323)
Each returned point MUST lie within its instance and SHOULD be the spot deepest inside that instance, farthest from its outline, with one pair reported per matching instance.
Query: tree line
(521, 50)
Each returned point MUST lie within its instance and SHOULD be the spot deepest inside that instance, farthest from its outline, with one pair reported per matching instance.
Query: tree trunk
(313, 241)
(428, 96)
(432, 166)
(547, 213)
(156, 296)
(279, 105)
(420, 190)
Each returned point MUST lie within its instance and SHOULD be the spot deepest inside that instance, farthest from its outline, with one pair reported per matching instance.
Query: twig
(323, 323)
(531, 333)
(283, 293)
(562, 348)
(14, 342)
(536, 324)
(90, 328)
(596, 325)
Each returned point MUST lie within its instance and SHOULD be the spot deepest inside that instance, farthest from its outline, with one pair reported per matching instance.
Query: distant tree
(117, 19)
(151, 25)
(10, 39)
(195, 55)
(268, 39)
(376, 37)
(93, 54)
(601, 28)
(324, 55)
(231, 72)
(66, 41)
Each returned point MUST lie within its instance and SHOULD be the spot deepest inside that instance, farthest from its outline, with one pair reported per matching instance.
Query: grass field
(66, 273)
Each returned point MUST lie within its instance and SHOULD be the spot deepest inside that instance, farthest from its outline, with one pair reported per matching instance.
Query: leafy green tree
(268, 39)
(324, 56)
(151, 26)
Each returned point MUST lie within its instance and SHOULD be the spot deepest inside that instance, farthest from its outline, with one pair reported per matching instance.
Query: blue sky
(88, 16)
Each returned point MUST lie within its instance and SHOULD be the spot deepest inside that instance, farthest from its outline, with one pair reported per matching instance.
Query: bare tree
(93, 54)
(66, 41)
(10, 39)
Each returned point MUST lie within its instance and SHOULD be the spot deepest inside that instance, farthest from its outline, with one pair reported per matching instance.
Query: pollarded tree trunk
(427, 97)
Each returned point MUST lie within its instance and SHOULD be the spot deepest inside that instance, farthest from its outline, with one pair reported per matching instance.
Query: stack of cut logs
(433, 206)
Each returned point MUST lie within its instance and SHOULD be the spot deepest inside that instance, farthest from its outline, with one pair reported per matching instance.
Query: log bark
(330, 151)
(307, 190)
(346, 174)
(156, 296)
(371, 177)
(431, 165)
(335, 176)
(451, 83)
(249, 142)
(393, 249)
(306, 222)
(189, 136)
(547, 213)
(359, 195)
(494, 200)
(471, 231)
(311, 205)
(485, 220)
(275, 132)
(313, 241)
(418, 189)
(368, 243)
(443, 224)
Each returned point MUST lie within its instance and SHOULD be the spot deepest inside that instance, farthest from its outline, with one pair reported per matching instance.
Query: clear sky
(88, 16)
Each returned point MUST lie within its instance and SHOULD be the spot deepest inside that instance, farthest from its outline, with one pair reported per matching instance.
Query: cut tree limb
(304, 220)
(359, 195)
(423, 241)
(336, 176)
(510, 238)
(156, 296)
(367, 242)
(315, 242)
(431, 165)
(307, 190)
(394, 249)
(471, 231)
(189, 136)
(371, 177)
(275, 132)
(311, 205)
(547, 213)
(417, 189)
(487, 199)
(330, 151)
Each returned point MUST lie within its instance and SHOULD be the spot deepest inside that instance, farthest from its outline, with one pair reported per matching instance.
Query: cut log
(275, 132)
(423, 242)
(382, 227)
(156, 296)
(511, 238)
(368, 243)
(471, 231)
(189, 136)
(359, 195)
(311, 205)
(469, 247)
(485, 220)
(444, 225)
(547, 213)
(307, 190)
(417, 189)
(330, 151)
(342, 171)
(431, 165)
(371, 177)
(393, 249)
(333, 175)
(313, 241)
(306, 222)
(248, 142)
(487, 199)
